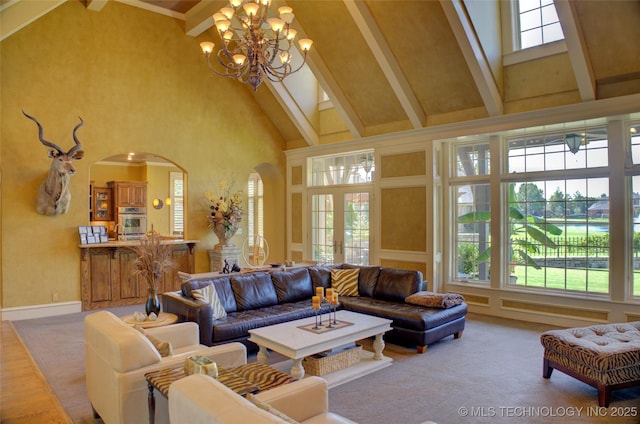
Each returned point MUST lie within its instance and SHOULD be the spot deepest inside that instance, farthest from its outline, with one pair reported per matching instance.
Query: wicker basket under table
(322, 364)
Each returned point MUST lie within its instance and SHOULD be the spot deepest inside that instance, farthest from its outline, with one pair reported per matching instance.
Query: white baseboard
(40, 311)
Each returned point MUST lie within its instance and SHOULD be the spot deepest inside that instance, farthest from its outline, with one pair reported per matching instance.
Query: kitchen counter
(107, 278)
(126, 243)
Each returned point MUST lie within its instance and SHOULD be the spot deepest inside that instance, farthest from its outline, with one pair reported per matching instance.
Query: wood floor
(25, 395)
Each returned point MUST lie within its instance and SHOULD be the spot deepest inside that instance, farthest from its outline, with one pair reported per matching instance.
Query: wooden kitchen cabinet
(129, 193)
(102, 204)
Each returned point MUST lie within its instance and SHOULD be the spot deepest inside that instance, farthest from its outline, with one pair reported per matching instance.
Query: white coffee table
(295, 343)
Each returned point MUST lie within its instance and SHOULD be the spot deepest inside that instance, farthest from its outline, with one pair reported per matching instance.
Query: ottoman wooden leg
(546, 369)
(604, 395)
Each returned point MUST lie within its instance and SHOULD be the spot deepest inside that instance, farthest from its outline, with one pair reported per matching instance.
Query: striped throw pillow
(164, 348)
(345, 281)
(208, 294)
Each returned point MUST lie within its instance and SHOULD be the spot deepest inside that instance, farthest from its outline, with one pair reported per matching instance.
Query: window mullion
(497, 202)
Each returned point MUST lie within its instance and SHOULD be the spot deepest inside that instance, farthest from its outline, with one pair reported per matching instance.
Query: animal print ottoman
(606, 356)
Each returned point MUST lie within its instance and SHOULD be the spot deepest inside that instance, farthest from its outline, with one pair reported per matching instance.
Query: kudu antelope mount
(53, 196)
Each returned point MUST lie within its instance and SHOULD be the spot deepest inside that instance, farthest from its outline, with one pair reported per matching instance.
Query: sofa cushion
(345, 281)
(253, 291)
(223, 290)
(405, 315)
(236, 325)
(270, 409)
(209, 295)
(321, 276)
(396, 284)
(367, 278)
(292, 285)
(202, 399)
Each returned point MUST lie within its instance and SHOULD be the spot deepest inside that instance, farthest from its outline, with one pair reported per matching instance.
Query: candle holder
(335, 316)
(317, 326)
(325, 301)
(331, 323)
(316, 304)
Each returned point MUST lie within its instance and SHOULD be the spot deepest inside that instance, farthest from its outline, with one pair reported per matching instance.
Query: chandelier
(253, 44)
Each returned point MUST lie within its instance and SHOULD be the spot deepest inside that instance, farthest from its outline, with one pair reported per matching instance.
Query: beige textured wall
(296, 175)
(140, 84)
(402, 164)
(296, 218)
(403, 218)
(539, 83)
(101, 174)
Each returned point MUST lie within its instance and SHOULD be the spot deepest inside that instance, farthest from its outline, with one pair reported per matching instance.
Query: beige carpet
(491, 375)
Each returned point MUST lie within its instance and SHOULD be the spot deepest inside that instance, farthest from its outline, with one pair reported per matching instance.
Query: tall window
(255, 206)
(554, 211)
(177, 203)
(634, 135)
(471, 198)
(538, 23)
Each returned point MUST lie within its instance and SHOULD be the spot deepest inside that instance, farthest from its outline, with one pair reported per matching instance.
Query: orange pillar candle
(315, 302)
(334, 298)
(329, 294)
(320, 292)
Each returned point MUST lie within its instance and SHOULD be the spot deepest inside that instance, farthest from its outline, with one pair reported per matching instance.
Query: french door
(340, 225)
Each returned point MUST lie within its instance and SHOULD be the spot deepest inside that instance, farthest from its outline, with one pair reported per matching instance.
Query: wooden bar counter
(107, 273)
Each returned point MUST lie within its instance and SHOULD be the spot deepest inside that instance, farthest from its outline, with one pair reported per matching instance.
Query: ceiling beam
(335, 93)
(200, 17)
(153, 8)
(387, 61)
(18, 14)
(578, 54)
(96, 5)
(473, 53)
(297, 116)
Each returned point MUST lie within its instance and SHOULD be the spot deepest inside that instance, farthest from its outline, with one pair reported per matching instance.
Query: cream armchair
(118, 356)
(200, 399)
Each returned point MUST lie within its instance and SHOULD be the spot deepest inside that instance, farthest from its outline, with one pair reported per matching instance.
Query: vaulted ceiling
(391, 66)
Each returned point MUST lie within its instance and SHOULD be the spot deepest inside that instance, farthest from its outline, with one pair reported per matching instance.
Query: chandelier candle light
(252, 41)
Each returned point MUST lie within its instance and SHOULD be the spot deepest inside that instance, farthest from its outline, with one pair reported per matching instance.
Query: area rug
(493, 374)
(57, 346)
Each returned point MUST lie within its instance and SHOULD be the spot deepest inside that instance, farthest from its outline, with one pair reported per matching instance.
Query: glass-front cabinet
(102, 208)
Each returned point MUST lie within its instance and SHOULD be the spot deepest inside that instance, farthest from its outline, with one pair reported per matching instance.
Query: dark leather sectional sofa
(262, 298)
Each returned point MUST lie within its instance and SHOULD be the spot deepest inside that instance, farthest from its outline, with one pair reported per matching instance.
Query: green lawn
(594, 280)
(591, 280)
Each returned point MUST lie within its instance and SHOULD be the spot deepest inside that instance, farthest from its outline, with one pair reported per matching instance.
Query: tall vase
(224, 234)
(153, 302)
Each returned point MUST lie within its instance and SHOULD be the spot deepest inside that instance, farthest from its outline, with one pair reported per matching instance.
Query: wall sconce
(159, 203)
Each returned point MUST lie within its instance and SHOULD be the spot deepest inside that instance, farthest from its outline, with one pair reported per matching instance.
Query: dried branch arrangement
(153, 258)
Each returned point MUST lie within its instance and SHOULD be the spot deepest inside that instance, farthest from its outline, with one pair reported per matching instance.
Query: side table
(164, 318)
